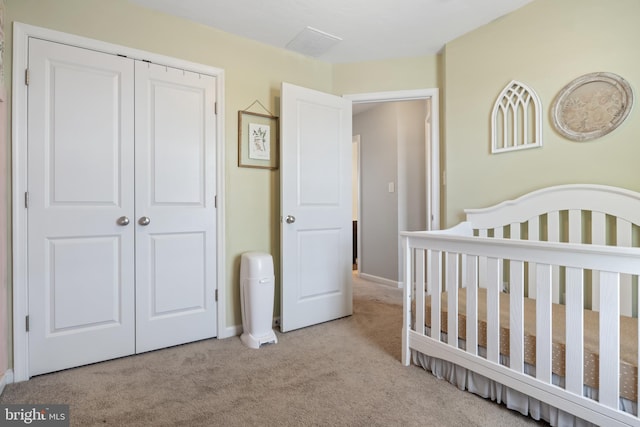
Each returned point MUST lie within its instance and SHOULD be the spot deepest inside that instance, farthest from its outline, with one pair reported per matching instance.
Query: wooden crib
(539, 296)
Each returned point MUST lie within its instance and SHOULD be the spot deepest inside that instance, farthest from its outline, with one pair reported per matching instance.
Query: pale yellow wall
(389, 75)
(252, 71)
(545, 45)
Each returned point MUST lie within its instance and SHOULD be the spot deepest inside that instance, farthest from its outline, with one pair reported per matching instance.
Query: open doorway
(397, 185)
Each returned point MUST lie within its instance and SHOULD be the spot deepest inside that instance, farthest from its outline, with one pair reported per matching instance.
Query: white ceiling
(369, 29)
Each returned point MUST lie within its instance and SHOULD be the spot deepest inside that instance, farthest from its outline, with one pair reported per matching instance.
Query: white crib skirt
(482, 386)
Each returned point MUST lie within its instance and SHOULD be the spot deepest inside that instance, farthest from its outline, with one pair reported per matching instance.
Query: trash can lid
(254, 264)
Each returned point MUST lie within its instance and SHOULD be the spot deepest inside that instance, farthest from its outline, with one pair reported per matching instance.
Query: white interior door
(175, 193)
(80, 255)
(316, 224)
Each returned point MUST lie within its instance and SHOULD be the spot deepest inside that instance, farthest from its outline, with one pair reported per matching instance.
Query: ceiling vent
(312, 42)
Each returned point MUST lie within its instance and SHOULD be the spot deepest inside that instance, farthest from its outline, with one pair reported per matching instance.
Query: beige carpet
(341, 373)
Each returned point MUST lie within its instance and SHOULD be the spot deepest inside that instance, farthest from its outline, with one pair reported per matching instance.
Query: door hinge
(26, 199)
(26, 322)
(216, 295)
(26, 77)
(215, 202)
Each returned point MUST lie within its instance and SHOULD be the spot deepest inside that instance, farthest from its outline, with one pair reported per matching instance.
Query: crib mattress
(628, 337)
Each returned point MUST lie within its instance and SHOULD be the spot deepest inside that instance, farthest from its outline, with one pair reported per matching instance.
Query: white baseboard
(381, 280)
(7, 378)
(230, 331)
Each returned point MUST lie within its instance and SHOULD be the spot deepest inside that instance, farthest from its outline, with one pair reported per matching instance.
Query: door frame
(356, 141)
(21, 34)
(432, 150)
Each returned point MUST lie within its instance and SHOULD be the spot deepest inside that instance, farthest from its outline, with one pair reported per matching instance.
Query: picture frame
(592, 106)
(258, 140)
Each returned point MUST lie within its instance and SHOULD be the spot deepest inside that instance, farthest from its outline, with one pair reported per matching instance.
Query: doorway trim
(21, 34)
(356, 141)
(432, 148)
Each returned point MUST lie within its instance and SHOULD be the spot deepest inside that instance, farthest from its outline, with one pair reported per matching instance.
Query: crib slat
(463, 270)
(553, 235)
(493, 309)
(498, 233)
(598, 237)
(482, 264)
(534, 235)
(434, 269)
(406, 304)
(514, 231)
(575, 330)
(575, 226)
(553, 226)
(472, 304)
(543, 323)
(452, 289)
(623, 238)
(420, 290)
(598, 228)
(533, 231)
(516, 316)
(609, 339)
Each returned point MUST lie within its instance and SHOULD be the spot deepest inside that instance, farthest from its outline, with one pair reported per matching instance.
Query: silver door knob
(145, 220)
(290, 219)
(123, 220)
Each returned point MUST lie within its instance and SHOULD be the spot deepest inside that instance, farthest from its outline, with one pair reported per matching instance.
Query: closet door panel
(175, 207)
(80, 170)
(178, 146)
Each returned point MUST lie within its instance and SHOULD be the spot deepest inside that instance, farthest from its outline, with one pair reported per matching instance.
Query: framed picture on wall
(257, 140)
(592, 106)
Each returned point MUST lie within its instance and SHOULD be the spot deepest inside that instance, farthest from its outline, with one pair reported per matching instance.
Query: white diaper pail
(256, 299)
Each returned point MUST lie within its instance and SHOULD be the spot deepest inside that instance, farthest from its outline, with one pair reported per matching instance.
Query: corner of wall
(7, 378)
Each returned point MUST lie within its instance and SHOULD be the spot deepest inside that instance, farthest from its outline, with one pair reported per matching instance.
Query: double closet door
(120, 206)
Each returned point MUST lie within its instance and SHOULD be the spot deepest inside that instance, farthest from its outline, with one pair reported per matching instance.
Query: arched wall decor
(516, 119)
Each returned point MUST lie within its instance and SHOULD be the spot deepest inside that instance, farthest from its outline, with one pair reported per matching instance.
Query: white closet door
(80, 157)
(175, 193)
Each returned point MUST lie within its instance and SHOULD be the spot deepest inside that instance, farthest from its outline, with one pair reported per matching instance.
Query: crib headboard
(577, 213)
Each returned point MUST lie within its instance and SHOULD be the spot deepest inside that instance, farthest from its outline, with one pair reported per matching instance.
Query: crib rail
(436, 262)
(572, 226)
(576, 213)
